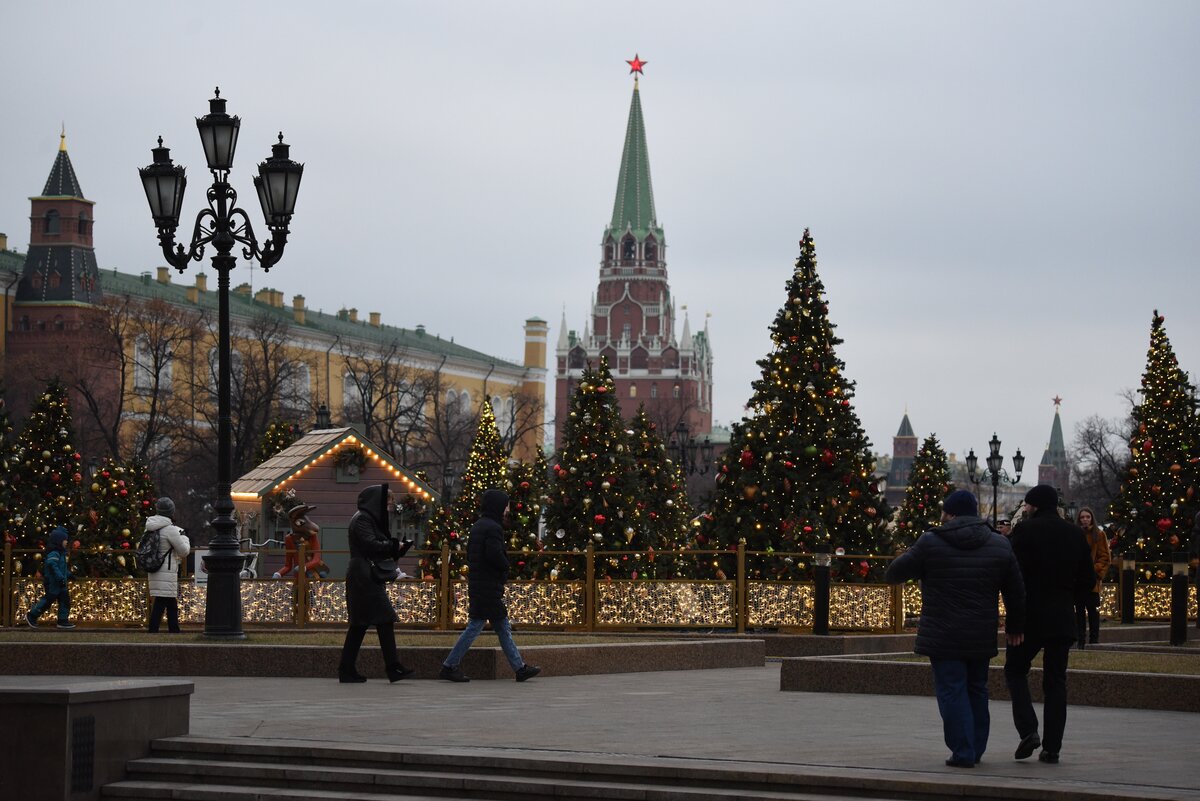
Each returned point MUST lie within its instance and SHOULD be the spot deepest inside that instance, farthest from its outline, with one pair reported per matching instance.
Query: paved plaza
(729, 715)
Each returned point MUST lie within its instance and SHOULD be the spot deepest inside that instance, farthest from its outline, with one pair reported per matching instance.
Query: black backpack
(149, 556)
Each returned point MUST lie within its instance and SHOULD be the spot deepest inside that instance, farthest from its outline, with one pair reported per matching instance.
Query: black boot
(398, 671)
(347, 673)
(387, 643)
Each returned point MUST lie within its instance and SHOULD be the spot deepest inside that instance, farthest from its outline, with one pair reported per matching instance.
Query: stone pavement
(735, 715)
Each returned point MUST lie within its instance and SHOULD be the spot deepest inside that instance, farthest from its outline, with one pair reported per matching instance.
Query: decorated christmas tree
(928, 485)
(797, 474)
(593, 483)
(487, 467)
(1157, 499)
(661, 510)
(121, 497)
(279, 435)
(527, 495)
(46, 474)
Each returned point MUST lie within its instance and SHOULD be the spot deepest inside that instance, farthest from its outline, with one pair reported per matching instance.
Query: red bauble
(1147, 445)
(602, 389)
(1164, 524)
(55, 476)
(827, 457)
(600, 519)
(125, 545)
(524, 485)
(105, 473)
(123, 493)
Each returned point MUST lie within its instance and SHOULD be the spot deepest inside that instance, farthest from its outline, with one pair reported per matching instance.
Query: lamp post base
(223, 599)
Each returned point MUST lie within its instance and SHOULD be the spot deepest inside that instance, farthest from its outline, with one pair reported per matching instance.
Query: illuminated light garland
(531, 603)
(665, 603)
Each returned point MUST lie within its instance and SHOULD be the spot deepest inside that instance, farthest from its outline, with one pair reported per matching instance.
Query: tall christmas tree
(797, 474)
(592, 488)
(527, 495)
(661, 510)
(487, 467)
(279, 435)
(928, 485)
(121, 498)
(46, 474)
(1157, 499)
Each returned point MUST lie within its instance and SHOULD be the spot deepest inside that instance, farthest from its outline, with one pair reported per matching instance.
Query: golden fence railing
(594, 592)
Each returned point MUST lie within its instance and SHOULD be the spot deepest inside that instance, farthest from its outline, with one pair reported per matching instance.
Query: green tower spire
(634, 204)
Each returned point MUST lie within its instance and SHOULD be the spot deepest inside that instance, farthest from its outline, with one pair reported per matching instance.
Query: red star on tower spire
(636, 65)
(1057, 401)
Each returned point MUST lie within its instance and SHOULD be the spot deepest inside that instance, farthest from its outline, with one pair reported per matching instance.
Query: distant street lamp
(995, 469)
(686, 449)
(223, 226)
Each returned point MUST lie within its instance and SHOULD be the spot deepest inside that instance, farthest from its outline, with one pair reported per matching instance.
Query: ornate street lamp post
(687, 449)
(223, 226)
(995, 469)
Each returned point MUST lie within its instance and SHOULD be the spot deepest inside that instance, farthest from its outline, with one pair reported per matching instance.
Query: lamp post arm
(242, 230)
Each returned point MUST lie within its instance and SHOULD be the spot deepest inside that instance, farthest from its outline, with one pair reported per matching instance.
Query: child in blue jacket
(55, 576)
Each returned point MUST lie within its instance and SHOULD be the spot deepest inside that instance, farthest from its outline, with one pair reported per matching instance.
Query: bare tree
(387, 393)
(1100, 457)
(521, 416)
(450, 429)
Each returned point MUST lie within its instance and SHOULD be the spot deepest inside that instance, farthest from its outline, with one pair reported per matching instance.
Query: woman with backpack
(172, 548)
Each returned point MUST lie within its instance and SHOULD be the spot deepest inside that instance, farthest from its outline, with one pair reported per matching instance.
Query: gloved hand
(395, 548)
(276, 575)
(404, 546)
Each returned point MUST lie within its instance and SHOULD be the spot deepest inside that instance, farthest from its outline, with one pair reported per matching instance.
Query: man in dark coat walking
(963, 567)
(1056, 564)
(487, 572)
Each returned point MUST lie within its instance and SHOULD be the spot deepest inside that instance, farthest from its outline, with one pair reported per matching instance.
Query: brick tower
(1054, 468)
(632, 322)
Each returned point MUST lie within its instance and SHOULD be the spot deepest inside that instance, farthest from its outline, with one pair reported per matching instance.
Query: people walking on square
(304, 530)
(1057, 567)
(1087, 606)
(173, 548)
(367, 602)
(55, 575)
(963, 566)
(487, 573)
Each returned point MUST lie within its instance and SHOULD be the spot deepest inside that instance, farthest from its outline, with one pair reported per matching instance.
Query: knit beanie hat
(961, 503)
(165, 506)
(1043, 496)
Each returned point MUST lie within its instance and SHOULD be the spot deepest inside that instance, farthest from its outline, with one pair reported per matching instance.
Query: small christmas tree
(797, 474)
(1157, 499)
(661, 509)
(527, 495)
(487, 467)
(279, 435)
(46, 476)
(592, 485)
(121, 498)
(928, 485)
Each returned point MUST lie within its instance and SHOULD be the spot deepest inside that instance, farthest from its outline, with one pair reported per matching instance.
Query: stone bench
(70, 736)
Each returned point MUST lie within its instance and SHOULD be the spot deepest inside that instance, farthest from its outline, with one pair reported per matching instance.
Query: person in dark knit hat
(1056, 564)
(963, 566)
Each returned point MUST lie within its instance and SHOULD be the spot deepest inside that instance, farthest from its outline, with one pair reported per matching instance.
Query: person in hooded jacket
(487, 572)
(963, 567)
(1057, 566)
(367, 602)
(174, 546)
(55, 575)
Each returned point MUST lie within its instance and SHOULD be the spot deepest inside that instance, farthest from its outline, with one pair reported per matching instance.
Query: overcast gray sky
(1001, 193)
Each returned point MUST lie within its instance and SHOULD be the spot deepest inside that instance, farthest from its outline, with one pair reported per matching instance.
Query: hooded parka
(174, 545)
(367, 602)
(963, 567)
(486, 559)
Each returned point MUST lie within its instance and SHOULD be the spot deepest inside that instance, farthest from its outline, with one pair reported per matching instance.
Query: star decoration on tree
(636, 64)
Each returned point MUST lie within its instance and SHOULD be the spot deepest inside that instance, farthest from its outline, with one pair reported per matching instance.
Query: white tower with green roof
(633, 314)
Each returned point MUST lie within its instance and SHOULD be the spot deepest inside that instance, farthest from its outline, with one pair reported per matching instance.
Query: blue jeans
(64, 606)
(962, 695)
(474, 627)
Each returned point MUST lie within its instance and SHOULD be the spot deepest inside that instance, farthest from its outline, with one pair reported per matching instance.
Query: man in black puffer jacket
(963, 566)
(487, 571)
(1056, 563)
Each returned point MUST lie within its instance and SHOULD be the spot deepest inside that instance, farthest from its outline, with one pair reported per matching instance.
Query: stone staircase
(242, 769)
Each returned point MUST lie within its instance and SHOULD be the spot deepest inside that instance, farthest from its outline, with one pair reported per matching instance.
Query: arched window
(464, 402)
(143, 371)
(35, 280)
(497, 410)
(651, 249)
(675, 391)
(654, 390)
(236, 370)
(639, 359)
(610, 251)
(51, 222)
(628, 248)
(351, 395)
(84, 222)
(55, 279)
(633, 390)
(297, 389)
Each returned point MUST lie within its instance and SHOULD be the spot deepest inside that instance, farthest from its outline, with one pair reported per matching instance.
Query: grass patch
(1186, 664)
(440, 639)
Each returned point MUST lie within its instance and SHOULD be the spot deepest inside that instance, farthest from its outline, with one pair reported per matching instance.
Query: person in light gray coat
(174, 547)
(963, 567)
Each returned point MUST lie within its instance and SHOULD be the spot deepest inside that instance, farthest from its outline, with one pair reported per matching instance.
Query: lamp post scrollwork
(995, 470)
